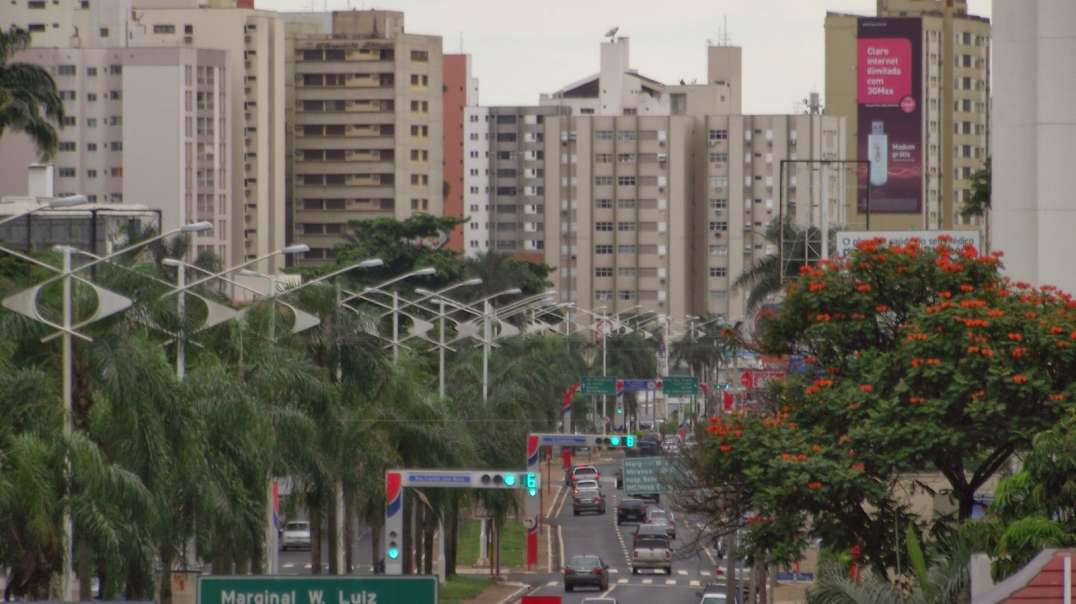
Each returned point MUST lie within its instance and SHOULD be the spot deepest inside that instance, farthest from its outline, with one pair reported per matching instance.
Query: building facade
(237, 164)
(367, 129)
(953, 105)
(1033, 216)
(460, 91)
(505, 183)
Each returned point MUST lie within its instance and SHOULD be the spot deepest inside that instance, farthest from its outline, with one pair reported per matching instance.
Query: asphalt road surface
(599, 534)
(297, 562)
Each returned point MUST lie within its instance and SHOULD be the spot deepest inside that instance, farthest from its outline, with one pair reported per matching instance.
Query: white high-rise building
(175, 104)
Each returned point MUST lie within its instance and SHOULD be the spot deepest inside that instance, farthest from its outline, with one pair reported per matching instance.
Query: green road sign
(317, 590)
(645, 475)
(598, 385)
(680, 385)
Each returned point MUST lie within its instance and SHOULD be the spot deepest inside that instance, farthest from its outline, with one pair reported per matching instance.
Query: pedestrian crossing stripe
(621, 581)
(694, 583)
(647, 581)
(670, 581)
(681, 572)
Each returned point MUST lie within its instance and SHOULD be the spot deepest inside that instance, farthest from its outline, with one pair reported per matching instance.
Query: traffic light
(393, 551)
(614, 441)
(629, 441)
(532, 484)
(509, 480)
(620, 409)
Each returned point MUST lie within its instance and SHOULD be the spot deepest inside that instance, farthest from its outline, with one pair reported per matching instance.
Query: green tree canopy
(29, 101)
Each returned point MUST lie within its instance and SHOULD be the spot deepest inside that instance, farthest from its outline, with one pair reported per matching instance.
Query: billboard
(847, 240)
(889, 97)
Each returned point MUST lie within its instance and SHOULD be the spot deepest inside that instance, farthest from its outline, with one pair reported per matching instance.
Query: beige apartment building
(210, 144)
(954, 104)
(365, 139)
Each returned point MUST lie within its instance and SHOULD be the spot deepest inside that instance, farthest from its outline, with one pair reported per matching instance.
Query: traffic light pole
(535, 442)
(398, 480)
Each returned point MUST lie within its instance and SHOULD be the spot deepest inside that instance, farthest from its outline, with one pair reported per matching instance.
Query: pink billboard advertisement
(889, 97)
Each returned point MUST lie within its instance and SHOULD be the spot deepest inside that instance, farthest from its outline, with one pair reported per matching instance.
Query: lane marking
(614, 571)
(553, 503)
(681, 572)
(288, 565)
(608, 591)
(670, 581)
(560, 541)
(647, 581)
(694, 583)
(309, 566)
(551, 584)
(621, 581)
(549, 546)
(562, 500)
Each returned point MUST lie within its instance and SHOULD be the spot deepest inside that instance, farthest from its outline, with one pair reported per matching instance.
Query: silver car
(296, 535)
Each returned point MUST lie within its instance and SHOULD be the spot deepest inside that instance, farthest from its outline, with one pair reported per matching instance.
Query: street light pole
(441, 353)
(181, 305)
(485, 349)
(68, 370)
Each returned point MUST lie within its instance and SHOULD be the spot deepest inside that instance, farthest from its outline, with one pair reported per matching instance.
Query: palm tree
(767, 277)
(29, 101)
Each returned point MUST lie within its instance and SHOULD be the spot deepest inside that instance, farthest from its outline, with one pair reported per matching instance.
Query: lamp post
(380, 288)
(109, 303)
(441, 345)
(603, 320)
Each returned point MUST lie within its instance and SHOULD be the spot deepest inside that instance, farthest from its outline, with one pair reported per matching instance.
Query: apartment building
(618, 203)
(460, 91)
(504, 181)
(208, 145)
(366, 138)
(913, 83)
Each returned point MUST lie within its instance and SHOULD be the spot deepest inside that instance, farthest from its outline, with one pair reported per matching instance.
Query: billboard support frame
(781, 201)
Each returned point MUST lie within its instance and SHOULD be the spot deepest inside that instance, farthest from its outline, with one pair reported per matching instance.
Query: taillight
(597, 571)
(569, 571)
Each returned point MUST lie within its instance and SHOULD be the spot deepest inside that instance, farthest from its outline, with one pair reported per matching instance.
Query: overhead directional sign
(317, 590)
(645, 475)
(598, 385)
(680, 385)
(639, 385)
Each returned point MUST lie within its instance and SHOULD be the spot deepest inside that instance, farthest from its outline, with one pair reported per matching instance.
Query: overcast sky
(521, 48)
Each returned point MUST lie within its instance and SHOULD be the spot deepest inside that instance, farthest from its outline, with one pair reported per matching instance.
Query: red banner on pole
(726, 400)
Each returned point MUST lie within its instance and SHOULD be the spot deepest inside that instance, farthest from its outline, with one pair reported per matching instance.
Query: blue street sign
(440, 478)
(566, 439)
(638, 385)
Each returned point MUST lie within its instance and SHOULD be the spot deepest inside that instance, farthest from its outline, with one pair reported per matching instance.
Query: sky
(522, 48)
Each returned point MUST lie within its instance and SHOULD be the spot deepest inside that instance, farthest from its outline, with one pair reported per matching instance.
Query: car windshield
(584, 562)
(297, 526)
(587, 485)
(657, 513)
(652, 542)
(580, 472)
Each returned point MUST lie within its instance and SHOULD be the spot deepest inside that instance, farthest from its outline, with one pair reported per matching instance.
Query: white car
(296, 535)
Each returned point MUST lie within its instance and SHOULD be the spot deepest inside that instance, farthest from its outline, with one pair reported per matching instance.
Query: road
(297, 562)
(599, 534)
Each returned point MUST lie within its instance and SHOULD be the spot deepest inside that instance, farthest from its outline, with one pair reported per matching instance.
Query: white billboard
(847, 240)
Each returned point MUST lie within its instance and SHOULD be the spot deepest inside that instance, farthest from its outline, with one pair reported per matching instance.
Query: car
(586, 484)
(589, 570)
(651, 552)
(651, 497)
(631, 509)
(650, 530)
(670, 445)
(296, 534)
(582, 472)
(713, 598)
(657, 515)
(600, 600)
(587, 499)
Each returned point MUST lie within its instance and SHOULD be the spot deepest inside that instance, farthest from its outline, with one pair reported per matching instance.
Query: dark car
(647, 531)
(587, 500)
(630, 509)
(656, 515)
(587, 570)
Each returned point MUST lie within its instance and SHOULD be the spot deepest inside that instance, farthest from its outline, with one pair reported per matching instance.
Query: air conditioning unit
(662, 273)
(747, 157)
(663, 203)
(662, 227)
(662, 135)
(661, 251)
(663, 157)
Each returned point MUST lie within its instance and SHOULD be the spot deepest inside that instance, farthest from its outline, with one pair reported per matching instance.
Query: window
(91, 97)
(719, 271)
(91, 122)
(603, 227)
(603, 249)
(719, 135)
(627, 204)
(420, 155)
(721, 157)
(65, 70)
(91, 173)
(625, 158)
(103, 32)
(603, 158)
(115, 69)
(603, 271)
(67, 95)
(420, 179)
(625, 227)
(115, 95)
(91, 71)
(603, 135)
(603, 295)
(69, 120)
(603, 180)
(506, 137)
(719, 227)
(35, 4)
(67, 172)
(625, 180)
(506, 119)
(507, 191)
(420, 80)
(420, 131)
(719, 182)
(627, 135)
(116, 146)
(67, 146)
(420, 56)
(627, 249)
(719, 250)
(719, 204)
(164, 29)
(91, 146)
(603, 203)
(626, 294)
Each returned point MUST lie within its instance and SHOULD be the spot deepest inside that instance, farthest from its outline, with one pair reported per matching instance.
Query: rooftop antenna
(611, 34)
(461, 42)
(723, 37)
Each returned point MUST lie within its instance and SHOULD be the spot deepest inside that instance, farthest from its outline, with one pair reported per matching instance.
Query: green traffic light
(615, 441)
(532, 492)
(394, 553)
(629, 441)
(620, 411)
(509, 480)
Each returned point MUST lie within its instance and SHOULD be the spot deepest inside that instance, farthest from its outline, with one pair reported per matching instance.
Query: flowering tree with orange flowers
(920, 359)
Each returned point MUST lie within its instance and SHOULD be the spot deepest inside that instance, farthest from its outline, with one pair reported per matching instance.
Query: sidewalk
(500, 593)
